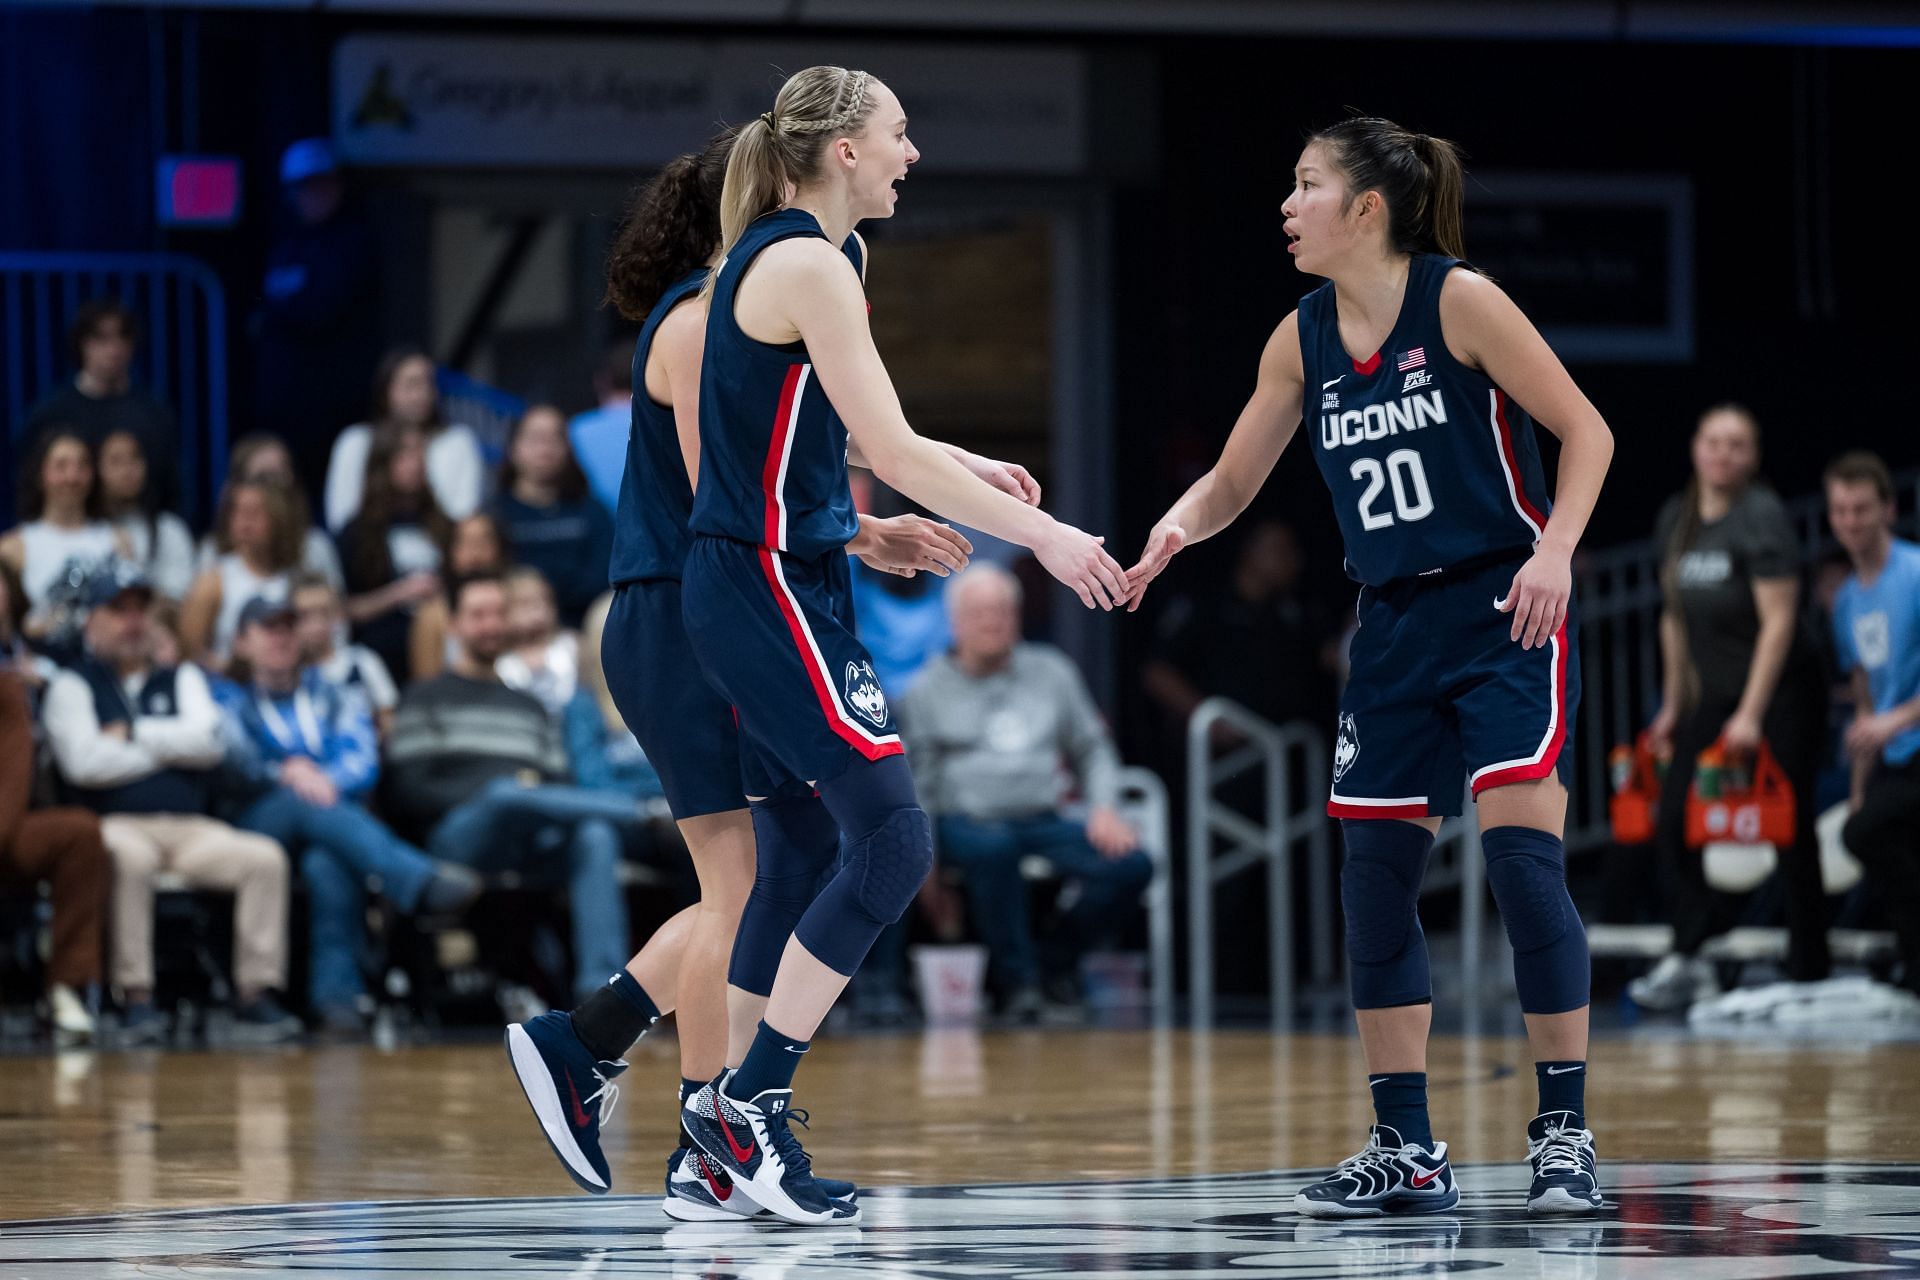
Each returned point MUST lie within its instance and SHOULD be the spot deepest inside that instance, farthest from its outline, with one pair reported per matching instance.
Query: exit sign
(198, 191)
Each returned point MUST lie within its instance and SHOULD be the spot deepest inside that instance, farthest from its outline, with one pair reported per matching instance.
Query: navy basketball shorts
(773, 633)
(1438, 697)
(687, 729)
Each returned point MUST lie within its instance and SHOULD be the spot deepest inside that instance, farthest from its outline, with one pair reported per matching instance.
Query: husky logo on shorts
(864, 695)
(1346, 748)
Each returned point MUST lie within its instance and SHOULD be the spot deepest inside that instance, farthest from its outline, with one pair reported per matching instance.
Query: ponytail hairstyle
(1421, 179)
(779, 150)
(670, 228)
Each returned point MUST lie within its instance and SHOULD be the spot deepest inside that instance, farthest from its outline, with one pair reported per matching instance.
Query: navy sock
(690, 1087)
(1563, 1087)
(769, 1064)
(1400, 1102)
(612, 1018)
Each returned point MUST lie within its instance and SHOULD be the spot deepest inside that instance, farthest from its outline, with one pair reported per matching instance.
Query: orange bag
(1763, 813)
(1636, 791)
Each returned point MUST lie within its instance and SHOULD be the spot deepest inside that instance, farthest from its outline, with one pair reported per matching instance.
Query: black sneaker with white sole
(1385, 1177)
(1566, 1173)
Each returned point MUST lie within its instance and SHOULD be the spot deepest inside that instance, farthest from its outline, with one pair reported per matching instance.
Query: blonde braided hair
(783, 146)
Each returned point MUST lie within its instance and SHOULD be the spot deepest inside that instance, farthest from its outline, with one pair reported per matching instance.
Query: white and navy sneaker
(699, 1190)
(1565, 1172)
(562, 1082)
(754, 1142)
(1385, 1177)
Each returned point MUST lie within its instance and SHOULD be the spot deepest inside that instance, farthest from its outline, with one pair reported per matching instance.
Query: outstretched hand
(1077, 559)
(1538, 598)
(1162, 544)
(906, 545)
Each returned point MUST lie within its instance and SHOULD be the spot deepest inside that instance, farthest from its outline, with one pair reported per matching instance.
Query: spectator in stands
(406, 400)
(599, 436)
(60, 848)
(1737, 669)
(391, 549)
(316, 330)
(140, 745)
(989, 725)
(157, 540)
(258, 537)
(552, 523)
(262, 458)
(542, 659)
(101, 399)
(481, 769)
(1876, 632)
(474, 545)
(303, 759)
(61, 538)
(1260, 642)
(320, 626)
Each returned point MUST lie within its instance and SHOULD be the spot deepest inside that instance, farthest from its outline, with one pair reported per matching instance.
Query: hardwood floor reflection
(87, 1133)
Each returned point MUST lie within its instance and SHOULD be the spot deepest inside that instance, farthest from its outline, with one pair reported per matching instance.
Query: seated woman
(552, 522)
(404, 395)
(258, 543)
(60, 539)
(541, 659)
(158, 541)
(475, 545)
(391, 550)
(264, 457)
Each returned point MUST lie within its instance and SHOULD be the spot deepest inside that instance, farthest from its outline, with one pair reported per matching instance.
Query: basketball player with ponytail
(1420, 381)
(790, 391)
(566, 1061)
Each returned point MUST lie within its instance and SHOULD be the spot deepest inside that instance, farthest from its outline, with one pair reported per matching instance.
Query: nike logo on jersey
(1325, 385)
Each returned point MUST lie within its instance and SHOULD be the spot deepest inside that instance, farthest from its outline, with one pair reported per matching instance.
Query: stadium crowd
(397, 705)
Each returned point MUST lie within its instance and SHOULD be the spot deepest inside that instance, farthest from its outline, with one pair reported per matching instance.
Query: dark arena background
(303, 325)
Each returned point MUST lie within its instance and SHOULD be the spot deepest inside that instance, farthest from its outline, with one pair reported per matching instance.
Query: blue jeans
(987, 854)
(338, 847)
(508, 827)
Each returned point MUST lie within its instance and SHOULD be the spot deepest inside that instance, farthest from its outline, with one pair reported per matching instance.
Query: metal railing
(1143, 803)
(182, 360)
(1294, 816)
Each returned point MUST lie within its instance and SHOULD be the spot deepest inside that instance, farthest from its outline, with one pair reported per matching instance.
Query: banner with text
(502, 101)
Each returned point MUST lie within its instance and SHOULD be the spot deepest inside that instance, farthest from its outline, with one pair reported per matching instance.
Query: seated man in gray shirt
(990, 725)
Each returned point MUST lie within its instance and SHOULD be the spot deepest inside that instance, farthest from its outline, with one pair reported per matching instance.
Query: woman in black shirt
(1737, 668)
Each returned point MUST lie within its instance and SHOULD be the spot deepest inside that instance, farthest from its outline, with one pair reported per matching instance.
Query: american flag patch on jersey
(1413, 359)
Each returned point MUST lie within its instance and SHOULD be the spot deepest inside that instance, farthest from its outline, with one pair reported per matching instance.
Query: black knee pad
(1379, 895)
(1527, 871)
(891, 862)
(1529, 884)
(1380, 909)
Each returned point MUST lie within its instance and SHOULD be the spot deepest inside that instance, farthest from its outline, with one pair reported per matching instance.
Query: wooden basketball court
(1067, 1125)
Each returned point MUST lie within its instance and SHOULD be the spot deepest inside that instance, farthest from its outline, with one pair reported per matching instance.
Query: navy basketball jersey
(656, 497)
(773, 453)
(1430, 464)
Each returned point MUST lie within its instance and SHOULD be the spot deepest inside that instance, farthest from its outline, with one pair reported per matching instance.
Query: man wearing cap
(302, 758)
(317, 329)
(139, 744)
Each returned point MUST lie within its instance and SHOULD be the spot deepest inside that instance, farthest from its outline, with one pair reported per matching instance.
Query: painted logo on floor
(1666, 1220)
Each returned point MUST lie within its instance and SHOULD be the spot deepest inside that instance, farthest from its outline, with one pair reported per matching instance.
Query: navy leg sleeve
(889, 852)
(795, 840)
(1527, 870)
(1380, 892)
